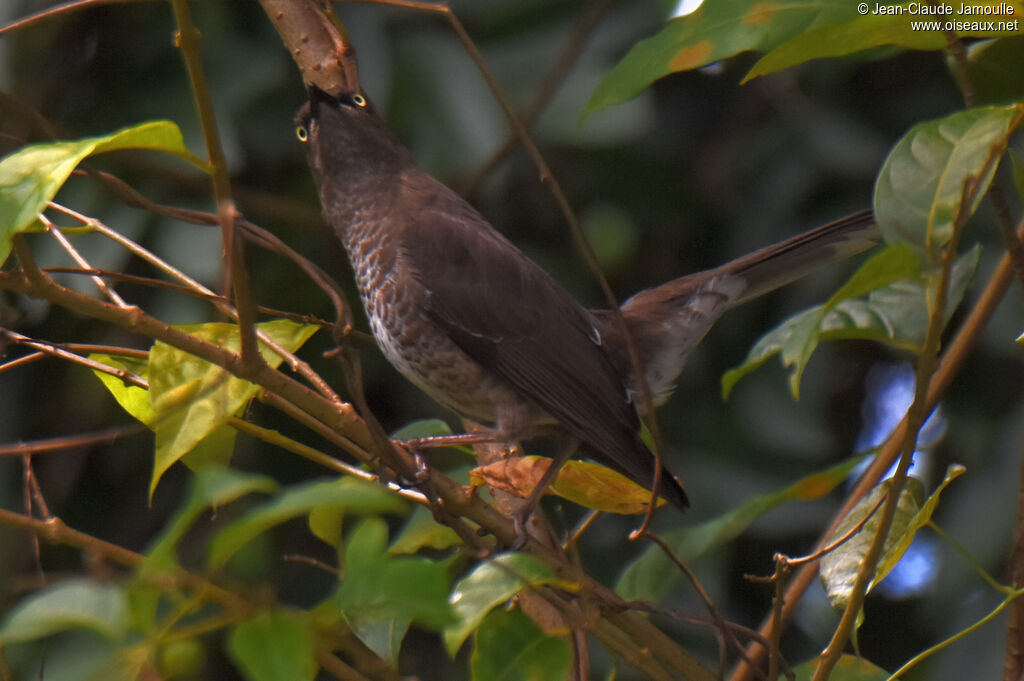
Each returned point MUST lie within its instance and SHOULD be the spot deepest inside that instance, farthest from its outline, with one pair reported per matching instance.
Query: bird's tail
(775, 266)
(668, 321)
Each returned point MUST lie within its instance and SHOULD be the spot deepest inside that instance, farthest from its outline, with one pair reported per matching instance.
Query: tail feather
(668, 321)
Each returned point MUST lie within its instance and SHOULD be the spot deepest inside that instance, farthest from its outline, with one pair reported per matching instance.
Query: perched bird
(466, 316)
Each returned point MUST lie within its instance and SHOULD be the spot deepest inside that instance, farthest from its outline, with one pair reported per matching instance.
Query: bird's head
(346, 139)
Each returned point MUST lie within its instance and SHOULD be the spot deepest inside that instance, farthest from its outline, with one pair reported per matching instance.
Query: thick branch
(320, 50)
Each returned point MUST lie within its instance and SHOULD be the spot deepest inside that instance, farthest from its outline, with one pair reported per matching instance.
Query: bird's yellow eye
(302, 133)
(358, 100)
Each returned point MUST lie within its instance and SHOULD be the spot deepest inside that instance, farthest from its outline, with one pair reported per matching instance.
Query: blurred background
(694, 172)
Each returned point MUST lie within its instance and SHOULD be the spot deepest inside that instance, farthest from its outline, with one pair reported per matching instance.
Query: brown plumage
(467, 317)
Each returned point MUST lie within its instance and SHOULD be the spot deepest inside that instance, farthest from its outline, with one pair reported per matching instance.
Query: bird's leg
(523, 513)
(417, 445)
(438, 441)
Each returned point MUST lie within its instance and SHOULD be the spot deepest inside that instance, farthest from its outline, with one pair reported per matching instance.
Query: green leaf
(75, 604)
(381, 634)
(272, 647)
(126, 664)
(839, 567)
(210, 488)
(377, 587)
(848, 668)
(422, 428)
(864, 32)
(132, 398)
(182, 658)
(1018, 172)
(509, 646)
(347, 494)
(652, 576)
(919, 520)
(715, 31)
(326, 523)
(31, 176)
(920, 191)
(491, 584)
(994, 68)
(193, 398)
(421, 531)
(797, 337)
(895, 313)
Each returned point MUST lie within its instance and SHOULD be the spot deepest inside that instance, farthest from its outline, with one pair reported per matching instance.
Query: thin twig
(54, 531)
(82, 262)
(333, 665)
(549, 85)
(275, 438)
(196, 288)
(1013, 663)
(57, 350)
(309, 560)
(54, 444)
(53, 12)
(726, 639)
(188, 41)
(317, 426)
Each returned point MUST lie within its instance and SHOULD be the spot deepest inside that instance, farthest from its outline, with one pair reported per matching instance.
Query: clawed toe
(519, 520)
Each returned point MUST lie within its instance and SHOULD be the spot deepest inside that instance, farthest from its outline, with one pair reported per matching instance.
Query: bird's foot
(519, 520)
(422, 473)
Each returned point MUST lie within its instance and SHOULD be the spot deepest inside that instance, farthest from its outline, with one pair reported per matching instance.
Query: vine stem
(948, 367)
(188, 41)
(915, 418)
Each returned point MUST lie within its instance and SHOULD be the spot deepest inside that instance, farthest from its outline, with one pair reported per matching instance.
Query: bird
(467, 317)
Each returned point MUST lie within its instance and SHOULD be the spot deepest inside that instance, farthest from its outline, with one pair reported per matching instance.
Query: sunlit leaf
(839, 567)
(31, 176)
(272, 647)
(652, 576)
(920, 190)
(715, 31)
(192, 398)
(509, 646)
(489, 585)
(132, 398)
(581, 482)
(346, 494)
(75, 604)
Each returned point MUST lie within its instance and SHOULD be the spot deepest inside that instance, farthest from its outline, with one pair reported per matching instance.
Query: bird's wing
(507, 314)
